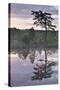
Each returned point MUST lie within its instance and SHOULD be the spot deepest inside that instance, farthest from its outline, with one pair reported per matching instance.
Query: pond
(29, 68)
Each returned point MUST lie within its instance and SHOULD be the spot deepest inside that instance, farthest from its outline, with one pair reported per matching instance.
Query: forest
(30, 38)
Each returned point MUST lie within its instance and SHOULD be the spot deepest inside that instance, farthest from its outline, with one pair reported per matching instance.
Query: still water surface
(22, 69)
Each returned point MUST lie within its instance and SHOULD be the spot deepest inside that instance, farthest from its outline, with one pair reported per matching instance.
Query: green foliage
(20, 39)
(25, 40)
(31, 34)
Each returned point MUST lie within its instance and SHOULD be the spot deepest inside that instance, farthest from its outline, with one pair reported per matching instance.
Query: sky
(20, 15)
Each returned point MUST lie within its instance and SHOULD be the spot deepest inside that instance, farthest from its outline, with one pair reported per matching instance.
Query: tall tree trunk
(45, 46)
(45, 50)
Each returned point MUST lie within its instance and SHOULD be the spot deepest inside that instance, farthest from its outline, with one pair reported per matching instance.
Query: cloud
(23, 23)
(24, 10)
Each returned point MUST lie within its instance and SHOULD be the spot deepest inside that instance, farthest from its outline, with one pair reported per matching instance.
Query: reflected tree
(39, 71)
(24, 53)
(32, 56)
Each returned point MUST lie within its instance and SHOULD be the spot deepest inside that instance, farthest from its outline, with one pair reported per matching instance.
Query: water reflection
(23, 53)
(42, 69)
